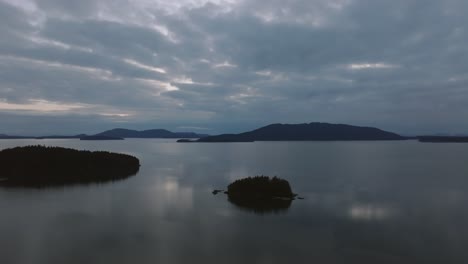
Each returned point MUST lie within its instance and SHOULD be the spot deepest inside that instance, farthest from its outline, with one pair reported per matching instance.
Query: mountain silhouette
(100, 138)
(117, 133)
(306, 132)
(152, 133)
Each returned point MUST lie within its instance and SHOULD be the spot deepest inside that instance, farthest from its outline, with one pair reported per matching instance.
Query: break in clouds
(230, 65)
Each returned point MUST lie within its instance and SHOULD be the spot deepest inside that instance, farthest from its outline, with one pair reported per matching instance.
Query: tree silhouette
(39, 166)
(261, 194)
(261, 186)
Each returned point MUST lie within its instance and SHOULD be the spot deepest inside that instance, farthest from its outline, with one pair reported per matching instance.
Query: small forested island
(261, 194)
(40, 166)
(261, 187)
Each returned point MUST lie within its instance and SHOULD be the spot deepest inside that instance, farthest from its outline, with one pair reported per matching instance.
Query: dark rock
(215, 192)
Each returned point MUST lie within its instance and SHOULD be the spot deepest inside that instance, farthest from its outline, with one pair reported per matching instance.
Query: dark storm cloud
(400, 65)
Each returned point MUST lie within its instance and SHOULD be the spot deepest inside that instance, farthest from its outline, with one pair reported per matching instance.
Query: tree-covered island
(261, 194)
(40, 166)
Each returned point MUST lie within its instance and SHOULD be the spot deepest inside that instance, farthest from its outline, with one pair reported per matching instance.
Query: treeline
(38, 166)
(261, 186)
(261, 194)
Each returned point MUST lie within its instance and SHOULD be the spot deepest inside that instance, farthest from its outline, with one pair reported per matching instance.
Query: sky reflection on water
(366, 202)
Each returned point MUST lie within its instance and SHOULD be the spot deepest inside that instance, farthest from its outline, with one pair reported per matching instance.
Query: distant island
(306, 132)
(315, 131)
(152, 133)
(100, 138)
(3, 136)
(185, 140)
(443, 139)
(116, 134)
(39, 166)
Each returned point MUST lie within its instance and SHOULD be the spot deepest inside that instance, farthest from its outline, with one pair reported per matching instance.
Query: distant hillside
(118, 133)
(100, 138)
(306, 132)
(61, 137)
(3, 136)
(153, 133)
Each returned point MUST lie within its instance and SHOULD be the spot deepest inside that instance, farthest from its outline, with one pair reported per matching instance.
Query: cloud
(363, 66)
(231, 65)
(38, 105)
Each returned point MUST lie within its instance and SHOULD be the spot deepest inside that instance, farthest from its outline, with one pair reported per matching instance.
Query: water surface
(366, 202)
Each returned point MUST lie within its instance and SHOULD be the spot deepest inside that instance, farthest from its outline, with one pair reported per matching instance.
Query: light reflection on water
(366, 202)
(369, 212)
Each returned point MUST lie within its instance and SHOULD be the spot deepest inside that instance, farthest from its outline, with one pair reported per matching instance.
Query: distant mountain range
(275, 132)
(306, 132)
(152, 133)
(3, 136)
(118, 133)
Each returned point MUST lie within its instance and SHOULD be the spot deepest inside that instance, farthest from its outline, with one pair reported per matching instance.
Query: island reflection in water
(366, 203)
(260, 206)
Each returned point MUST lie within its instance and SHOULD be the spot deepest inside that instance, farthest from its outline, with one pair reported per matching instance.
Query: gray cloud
(233, 65)
(80, 8)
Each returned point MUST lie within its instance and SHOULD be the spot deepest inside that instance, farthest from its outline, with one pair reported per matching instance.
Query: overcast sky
(217, 66)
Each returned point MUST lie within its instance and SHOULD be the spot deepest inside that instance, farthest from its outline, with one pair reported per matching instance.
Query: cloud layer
(230, 65)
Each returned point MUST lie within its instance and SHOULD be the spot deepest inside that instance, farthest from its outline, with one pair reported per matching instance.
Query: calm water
(366, 202)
